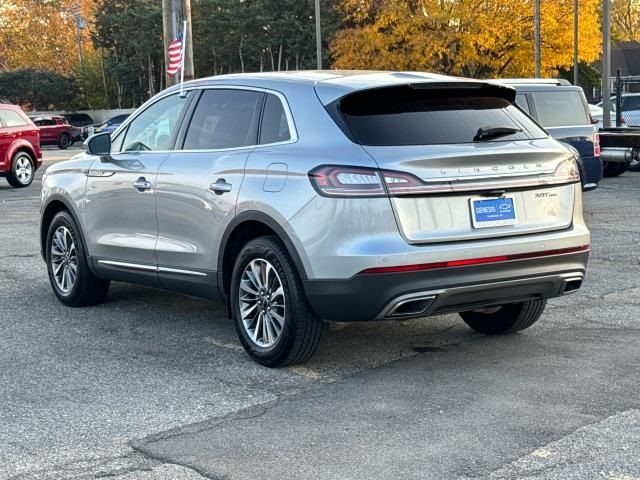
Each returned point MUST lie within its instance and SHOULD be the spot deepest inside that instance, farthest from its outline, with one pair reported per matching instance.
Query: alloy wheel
(24, 169)
(262, 303)
(64, 259)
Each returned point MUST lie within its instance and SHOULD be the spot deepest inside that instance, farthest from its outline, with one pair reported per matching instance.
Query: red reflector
(475, 261)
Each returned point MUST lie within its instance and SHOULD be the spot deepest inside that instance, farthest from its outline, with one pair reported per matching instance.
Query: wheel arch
(243, 228)
(54, 205)
(22, 146)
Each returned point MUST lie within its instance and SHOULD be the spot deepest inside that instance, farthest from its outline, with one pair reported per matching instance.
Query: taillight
(345, 181)
(596, 145)
(566, 172)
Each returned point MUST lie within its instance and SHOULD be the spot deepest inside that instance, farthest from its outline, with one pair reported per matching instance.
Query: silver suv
(342, 196)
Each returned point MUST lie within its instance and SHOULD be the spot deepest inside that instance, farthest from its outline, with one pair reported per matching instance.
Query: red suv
(54, 130)
(20, 154)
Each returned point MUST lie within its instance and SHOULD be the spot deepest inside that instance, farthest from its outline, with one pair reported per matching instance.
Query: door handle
(220, 186)
(142, 184)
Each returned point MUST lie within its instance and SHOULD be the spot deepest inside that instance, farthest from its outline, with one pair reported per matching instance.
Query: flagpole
(184, 51)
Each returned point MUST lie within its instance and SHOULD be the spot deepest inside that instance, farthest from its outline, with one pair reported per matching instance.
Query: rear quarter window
(415, 116)
(560, 109)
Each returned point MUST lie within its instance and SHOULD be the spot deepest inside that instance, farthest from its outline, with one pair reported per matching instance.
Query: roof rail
(535, 81)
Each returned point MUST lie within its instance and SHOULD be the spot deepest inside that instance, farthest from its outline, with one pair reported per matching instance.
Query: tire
(300, 328)
(64, 141)
(22, 171)
(634, 166)
(508, 318)
(82, 288)
(612, 169)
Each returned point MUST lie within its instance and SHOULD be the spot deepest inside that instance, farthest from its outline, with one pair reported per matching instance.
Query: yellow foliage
(41, 34)
(475, 38)
(625, 20)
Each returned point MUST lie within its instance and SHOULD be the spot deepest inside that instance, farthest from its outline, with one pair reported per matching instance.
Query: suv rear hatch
(460, 162)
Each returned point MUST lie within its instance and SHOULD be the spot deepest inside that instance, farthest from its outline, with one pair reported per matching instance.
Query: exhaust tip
(411, 307)
(571, 285)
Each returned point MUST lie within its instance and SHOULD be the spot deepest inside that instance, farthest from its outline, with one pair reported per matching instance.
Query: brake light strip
(475, 261)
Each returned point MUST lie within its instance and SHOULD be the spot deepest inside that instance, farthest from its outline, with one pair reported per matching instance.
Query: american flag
(175, 55)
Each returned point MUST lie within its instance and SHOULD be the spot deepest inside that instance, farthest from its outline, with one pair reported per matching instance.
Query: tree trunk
(240, 54)
(280, 57)
(273, 65)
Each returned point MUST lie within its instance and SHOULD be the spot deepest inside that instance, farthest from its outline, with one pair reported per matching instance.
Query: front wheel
(69, 273)
(504, 319)
(273, 319)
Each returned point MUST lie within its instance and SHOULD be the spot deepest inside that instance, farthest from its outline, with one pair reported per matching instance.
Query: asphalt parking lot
(152, 385)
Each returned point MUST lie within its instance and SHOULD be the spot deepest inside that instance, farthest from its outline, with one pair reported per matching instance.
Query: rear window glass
(12, 118)
(409, 116)
(560, 109)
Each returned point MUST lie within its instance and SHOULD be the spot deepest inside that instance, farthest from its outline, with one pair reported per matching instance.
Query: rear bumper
(415, 294)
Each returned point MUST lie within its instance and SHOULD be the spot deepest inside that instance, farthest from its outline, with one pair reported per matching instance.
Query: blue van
(563, 111)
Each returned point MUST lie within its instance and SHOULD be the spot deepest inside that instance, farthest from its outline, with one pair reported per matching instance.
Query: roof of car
(333, 83)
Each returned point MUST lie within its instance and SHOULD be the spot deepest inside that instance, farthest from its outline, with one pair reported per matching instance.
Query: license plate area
(493, 212)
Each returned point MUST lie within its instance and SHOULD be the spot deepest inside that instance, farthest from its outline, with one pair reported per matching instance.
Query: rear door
(5, 141)
(198, 186)
(460, 176)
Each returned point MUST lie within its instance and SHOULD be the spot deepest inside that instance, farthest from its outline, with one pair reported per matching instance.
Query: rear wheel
(273, 319)
(505, 318)
(69, 273)
(613, 169)
(22, 170)
(64, 141)
(634, 166)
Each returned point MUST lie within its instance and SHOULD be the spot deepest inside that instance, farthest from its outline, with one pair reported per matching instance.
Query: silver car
(339, 196)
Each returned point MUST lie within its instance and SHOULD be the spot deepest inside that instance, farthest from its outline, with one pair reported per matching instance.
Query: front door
(122, 229)
(198, 187)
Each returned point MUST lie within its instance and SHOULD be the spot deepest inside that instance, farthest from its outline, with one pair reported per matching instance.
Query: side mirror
(98, 144)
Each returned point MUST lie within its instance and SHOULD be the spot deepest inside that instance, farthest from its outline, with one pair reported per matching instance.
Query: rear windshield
(408, 116)
(560, 109)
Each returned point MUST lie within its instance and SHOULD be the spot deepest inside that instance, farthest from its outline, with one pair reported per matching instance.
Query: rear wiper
(487, 133)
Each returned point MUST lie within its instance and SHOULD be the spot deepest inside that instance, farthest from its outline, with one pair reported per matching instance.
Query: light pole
(536, 35)
(318, 37)
(575, 42)
(606, 63)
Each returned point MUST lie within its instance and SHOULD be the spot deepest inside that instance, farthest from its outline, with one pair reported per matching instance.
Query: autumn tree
(475, 38)
(41, 34)
(625, 20)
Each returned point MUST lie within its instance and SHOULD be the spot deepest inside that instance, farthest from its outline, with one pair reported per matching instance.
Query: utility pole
(81, 24)
(536, 35)
(606, 63)
(576, 80)
(318, 37)
(174, 12)
(168, 34)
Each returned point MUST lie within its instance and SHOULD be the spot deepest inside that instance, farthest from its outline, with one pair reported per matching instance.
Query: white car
(597, 114)
(630, 108)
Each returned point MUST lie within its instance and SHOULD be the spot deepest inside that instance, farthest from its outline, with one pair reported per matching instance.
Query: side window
(223, 119)
(274, 127)
(523, 103)
(153, 129)
(12, 119)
